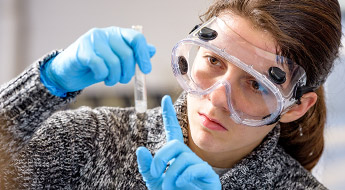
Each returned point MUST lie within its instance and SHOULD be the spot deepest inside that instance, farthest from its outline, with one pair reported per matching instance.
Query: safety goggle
(259, 86)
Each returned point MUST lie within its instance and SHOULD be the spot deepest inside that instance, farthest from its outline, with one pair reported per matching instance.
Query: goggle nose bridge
(227, 85)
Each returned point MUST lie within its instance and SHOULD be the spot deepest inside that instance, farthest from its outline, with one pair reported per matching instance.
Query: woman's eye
(213, 60)
(258, 87)
(255, 85)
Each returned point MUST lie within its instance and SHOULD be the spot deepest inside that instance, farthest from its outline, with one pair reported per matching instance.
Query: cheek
(192, 109)
(202, 78)
(196, 130)
(252, 136)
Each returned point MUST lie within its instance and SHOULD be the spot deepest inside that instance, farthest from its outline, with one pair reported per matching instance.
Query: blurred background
(31, 28)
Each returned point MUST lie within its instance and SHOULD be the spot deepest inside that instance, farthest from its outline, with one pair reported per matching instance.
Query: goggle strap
(302, 90)
(195, 27)
(273, 121)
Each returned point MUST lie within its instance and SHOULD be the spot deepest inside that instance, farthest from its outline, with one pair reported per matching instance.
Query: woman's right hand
(107, 54)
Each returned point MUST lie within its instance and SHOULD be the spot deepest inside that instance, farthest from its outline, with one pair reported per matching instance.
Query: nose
(218, 98)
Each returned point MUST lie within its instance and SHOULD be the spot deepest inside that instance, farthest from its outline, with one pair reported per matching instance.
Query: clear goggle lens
(248, 76)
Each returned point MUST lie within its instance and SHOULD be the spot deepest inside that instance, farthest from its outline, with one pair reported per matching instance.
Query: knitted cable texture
(43, 146)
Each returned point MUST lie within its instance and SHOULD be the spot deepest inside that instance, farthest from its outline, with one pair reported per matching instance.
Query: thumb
(144, 159)
(172, 127)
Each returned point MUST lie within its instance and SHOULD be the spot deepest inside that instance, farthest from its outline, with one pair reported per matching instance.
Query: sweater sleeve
(24, 104)
(80, 149)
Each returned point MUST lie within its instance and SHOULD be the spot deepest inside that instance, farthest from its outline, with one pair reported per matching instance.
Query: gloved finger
(201, 175)
(114, 72)
(183, 161)
(127, 64)
(152, 50)
(144, 159)
(171, 124)
(123, 52)
(168, 152)
(141, 50)
(88, 58)
(98, 68)
(103, 50)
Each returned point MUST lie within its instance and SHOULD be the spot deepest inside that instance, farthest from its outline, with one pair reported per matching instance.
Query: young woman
(251, 116)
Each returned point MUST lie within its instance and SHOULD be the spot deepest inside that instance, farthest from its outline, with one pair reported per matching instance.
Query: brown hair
(308, 32)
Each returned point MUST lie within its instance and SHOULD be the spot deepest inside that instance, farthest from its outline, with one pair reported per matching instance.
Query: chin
(206, 141)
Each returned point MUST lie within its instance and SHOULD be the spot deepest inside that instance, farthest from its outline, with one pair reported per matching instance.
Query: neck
(221, 159)
(218, 160)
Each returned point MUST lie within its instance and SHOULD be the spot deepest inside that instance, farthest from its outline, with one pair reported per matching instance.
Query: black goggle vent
(182, 65)
(277, 75)
(207, 34)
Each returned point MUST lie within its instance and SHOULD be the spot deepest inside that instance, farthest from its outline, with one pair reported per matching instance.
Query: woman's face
(211, 128)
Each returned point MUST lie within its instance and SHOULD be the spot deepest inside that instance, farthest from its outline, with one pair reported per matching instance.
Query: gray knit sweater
(43, 146)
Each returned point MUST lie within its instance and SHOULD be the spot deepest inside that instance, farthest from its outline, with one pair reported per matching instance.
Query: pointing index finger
(172, 127)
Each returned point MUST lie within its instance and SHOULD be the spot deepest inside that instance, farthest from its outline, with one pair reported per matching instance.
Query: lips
(210, 123)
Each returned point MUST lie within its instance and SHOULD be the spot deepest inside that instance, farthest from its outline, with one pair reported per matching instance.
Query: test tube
(140, 97)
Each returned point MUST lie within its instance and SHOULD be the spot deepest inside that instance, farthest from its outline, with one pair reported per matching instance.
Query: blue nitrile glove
(186, 171)
(107, 54)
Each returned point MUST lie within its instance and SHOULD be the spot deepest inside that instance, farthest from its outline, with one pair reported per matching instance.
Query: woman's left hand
(186, 170)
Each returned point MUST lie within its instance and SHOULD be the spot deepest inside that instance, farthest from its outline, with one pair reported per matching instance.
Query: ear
(297, 111)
